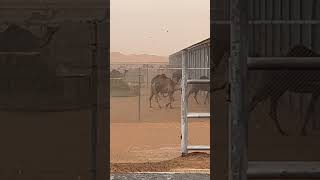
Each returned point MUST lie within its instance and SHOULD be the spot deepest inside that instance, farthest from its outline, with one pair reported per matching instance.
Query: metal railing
(185, 115)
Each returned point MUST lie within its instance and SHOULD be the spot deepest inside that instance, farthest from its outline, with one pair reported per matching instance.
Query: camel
(275, 84)
(13, 33)
(117, 74)
(15, 38)
(159, 77)
(298, 81)
(162, 84)
(196, 88)
(177, 75)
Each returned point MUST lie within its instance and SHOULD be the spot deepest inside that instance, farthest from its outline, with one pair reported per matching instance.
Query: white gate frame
(184, 107)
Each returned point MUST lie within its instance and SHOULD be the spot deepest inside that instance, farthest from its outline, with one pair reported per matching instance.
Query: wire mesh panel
(285, 101)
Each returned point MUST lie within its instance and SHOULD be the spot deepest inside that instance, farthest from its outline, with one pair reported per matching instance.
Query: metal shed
(198, 60)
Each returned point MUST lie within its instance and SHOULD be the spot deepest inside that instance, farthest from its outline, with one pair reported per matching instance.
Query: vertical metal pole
(103, 106)
(139, 104)
(147, 66)
(184, 105)
(94, 111)
(238, 76)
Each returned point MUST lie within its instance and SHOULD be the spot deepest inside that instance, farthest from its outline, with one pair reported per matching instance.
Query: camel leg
(309, 112)
(273, 114)
(195, 97)
(150, 99)
(170, 101)
(157, 98)
(189, 93)
(205, 100)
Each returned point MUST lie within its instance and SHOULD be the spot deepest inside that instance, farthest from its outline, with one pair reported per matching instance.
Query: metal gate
(194, 64)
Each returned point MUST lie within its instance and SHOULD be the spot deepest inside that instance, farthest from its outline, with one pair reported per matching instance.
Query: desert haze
(117, 57)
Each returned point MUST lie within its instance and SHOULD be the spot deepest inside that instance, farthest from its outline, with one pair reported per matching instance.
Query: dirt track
(153, 143)
(194, 160)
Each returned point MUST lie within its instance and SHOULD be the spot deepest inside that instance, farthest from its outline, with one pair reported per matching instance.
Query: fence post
(147, 66)
(184, 106)
(94, 110)
(238, 118)
(139, 101)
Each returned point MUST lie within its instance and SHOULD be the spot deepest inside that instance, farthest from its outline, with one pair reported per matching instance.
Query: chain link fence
(136, 90)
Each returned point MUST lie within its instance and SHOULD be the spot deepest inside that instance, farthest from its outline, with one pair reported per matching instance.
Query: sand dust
(153, 142)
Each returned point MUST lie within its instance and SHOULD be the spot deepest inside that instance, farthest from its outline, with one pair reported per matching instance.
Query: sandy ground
(154, 140)
(151, 142)
(160, 176)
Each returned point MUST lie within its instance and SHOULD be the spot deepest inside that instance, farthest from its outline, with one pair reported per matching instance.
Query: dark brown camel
(162, 84)
(156, 78)
(159, 76)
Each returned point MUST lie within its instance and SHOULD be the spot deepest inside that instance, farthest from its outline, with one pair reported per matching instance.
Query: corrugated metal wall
(277, 39)
(198, 57)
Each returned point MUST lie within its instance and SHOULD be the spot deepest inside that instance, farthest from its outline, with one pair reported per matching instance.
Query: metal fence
(274, 54)
(138, 78)
(194, 62)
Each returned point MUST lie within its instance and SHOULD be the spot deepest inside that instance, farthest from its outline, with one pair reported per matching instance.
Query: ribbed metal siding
(276, 39)
(198, 57)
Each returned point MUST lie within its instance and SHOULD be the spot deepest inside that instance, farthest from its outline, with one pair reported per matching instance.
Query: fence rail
(284, 169)
(256, 22)
(283, 62)
(19, 53)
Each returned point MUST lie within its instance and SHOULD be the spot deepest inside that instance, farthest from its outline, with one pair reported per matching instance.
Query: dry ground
(153, 142)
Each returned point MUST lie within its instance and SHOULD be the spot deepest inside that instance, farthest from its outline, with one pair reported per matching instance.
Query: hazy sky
(140, 26)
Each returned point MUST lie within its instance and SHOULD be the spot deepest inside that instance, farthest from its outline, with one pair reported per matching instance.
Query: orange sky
(140, 26)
